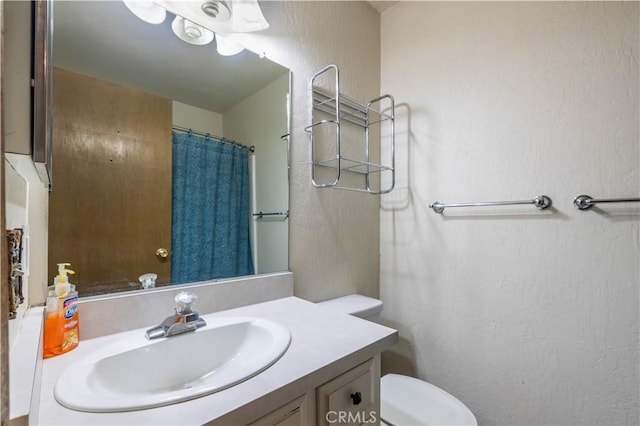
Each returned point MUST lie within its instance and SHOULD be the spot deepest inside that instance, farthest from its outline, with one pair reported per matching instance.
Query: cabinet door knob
(356, 397)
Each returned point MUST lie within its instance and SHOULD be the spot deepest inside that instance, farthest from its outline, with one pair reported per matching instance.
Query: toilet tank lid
(354, 304)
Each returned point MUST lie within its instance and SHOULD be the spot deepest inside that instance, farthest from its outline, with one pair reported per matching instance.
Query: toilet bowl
(405, 400)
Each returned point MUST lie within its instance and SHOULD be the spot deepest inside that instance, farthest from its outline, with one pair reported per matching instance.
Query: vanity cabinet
(330, 375)
(295, 413)
(352, 398)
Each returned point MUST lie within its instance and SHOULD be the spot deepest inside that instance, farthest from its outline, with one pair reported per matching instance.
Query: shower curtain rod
(251, 148)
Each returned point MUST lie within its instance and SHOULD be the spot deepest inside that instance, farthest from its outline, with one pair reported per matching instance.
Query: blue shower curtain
(210, 210)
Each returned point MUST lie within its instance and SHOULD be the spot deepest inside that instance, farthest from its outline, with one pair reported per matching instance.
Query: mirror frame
(4, 264)
(42, 152)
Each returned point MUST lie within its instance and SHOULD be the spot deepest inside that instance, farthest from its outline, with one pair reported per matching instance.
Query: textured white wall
(15, 195)
(334, 234)
(528, 317)
(33, 216)
(15, 187)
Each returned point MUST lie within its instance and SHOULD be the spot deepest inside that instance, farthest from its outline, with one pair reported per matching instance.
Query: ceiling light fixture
(146, 10)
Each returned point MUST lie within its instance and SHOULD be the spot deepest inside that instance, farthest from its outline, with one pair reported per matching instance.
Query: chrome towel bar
(585, 202)
(541, 201)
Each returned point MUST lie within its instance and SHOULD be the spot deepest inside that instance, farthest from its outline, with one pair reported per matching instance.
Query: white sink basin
(134, 373)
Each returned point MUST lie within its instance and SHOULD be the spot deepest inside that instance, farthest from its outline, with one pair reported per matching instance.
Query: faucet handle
(184, 300)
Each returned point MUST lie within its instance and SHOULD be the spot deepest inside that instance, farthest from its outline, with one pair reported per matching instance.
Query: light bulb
(191, 32)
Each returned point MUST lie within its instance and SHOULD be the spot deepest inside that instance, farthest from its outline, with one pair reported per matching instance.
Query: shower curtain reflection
(210, 209)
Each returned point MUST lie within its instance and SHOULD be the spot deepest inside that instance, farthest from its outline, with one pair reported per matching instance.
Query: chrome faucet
(184, 319)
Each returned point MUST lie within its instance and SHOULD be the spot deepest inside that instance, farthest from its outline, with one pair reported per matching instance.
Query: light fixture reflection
(247, 17)
(214, 17)
(191, 32)
(217, 10)
(227, 47)
(146, 10)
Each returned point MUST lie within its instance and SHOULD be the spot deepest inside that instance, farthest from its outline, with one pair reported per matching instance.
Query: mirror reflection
(169, 159)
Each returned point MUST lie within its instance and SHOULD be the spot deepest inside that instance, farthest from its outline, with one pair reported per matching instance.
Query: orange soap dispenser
(61, 322)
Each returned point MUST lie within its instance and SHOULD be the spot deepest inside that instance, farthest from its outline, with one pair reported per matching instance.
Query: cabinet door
(295, 413)
(352, 398)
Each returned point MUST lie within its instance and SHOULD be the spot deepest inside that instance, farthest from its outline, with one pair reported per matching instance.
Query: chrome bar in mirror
(262, 214)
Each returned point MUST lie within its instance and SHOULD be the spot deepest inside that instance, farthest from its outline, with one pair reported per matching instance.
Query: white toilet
(405, 400)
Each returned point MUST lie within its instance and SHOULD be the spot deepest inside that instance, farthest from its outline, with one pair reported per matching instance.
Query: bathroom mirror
(123, 87)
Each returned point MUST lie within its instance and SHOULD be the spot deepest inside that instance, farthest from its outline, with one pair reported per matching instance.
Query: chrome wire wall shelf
(331, 116)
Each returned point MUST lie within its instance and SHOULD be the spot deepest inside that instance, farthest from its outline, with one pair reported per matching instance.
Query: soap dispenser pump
(62, 322)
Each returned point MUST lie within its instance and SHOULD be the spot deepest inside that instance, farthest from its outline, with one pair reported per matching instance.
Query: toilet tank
(355, 304)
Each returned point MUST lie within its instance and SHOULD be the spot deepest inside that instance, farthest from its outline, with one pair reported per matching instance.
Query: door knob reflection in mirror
(162, 254)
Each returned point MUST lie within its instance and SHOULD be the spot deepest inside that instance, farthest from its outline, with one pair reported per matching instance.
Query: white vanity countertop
(324, 344)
